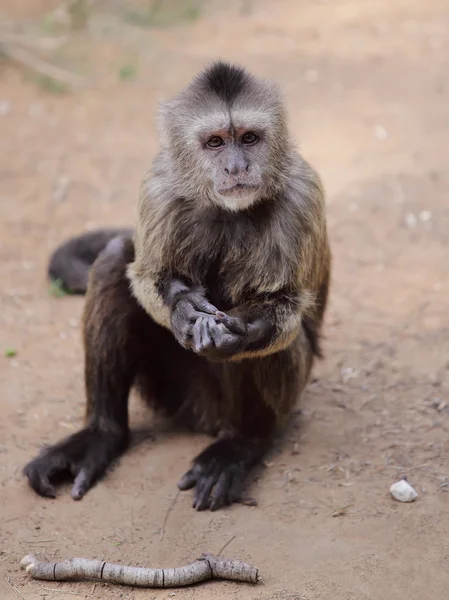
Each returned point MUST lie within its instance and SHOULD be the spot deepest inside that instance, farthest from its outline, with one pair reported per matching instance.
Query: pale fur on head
(221, 97)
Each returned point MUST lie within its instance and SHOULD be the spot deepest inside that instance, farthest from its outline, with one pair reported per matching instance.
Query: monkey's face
(227, 137)
(233, 159)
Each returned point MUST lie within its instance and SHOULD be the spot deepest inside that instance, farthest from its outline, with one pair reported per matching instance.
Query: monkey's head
(227, 136)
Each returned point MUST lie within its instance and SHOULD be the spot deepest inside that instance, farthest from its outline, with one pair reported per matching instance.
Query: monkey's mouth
(239, 189)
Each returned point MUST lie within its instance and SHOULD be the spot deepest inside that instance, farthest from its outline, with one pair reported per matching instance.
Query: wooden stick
(28, 41)
(204, 568)
(13, 587)
(170, 508)
(41, 66)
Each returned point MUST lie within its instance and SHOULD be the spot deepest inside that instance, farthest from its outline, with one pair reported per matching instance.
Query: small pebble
(348, 373)
(410, 220)
(5, 107)
(425, 215)
(380, 132)
(403, 491)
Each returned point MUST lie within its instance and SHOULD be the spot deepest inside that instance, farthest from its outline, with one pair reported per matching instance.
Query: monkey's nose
(237, 169)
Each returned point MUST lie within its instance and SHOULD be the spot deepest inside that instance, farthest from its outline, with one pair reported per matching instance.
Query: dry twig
(63, 591)
(204, 568)
(28, 41)
(26, 58)
(340, 511)
(226, 545)
(13, 587)
(170, 508)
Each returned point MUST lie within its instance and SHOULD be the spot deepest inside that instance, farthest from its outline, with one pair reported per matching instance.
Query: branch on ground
(202, 569)
(43, 67)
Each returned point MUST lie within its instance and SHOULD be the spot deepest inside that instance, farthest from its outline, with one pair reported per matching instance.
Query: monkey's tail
(70, 263)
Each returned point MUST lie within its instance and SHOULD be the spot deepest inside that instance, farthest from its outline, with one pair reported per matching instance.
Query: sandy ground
(367, 88)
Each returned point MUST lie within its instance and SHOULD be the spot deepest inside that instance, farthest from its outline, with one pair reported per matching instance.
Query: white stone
(425, 215)
(380, 132)
(5, 107)
(403, 491)
(410, 220)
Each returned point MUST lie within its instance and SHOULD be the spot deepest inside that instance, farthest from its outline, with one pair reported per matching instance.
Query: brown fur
(266, 264)
(272, 260)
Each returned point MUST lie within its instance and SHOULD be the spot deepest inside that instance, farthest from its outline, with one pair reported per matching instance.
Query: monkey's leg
(114, 329)
(219, 472)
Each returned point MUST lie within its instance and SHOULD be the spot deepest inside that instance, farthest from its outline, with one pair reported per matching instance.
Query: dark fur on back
(225, 80)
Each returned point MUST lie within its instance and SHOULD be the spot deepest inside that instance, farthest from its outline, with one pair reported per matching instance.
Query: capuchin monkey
(212, 308)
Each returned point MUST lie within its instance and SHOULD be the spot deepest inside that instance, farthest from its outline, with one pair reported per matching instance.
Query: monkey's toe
(82, 484)
(189, 479)
(38, 475)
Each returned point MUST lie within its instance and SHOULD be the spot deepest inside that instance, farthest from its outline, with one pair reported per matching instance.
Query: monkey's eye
(249, 138)
(215, 142)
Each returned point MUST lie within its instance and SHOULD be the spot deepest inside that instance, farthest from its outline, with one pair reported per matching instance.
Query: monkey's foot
(219, 472)
(85, 456)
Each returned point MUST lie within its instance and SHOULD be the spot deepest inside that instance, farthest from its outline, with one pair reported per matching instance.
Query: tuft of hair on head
(221, 84)
(224, 80)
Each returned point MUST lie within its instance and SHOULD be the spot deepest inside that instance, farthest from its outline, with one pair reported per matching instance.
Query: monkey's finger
(83, 482)
(234, 324)
(197, 340)
(206, 338)
(189, 479)
(220, 495)
(81, 485)
(223, 339)
(186, 315)
(202, 492)
(42, 486)
(201, 304)
(40, 481)
(236, 487)
(41, 470)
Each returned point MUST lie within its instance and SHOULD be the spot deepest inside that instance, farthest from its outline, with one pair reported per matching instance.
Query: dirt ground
(368, 93)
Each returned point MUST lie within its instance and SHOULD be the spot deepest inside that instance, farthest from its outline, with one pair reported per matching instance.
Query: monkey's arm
(272, 322)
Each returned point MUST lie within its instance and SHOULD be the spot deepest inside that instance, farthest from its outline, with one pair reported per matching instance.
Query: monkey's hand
(186, 312)
(84, 455)
(264, 325)
(219, 472)
(194, 318)
(200, 326)
(222, 336)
